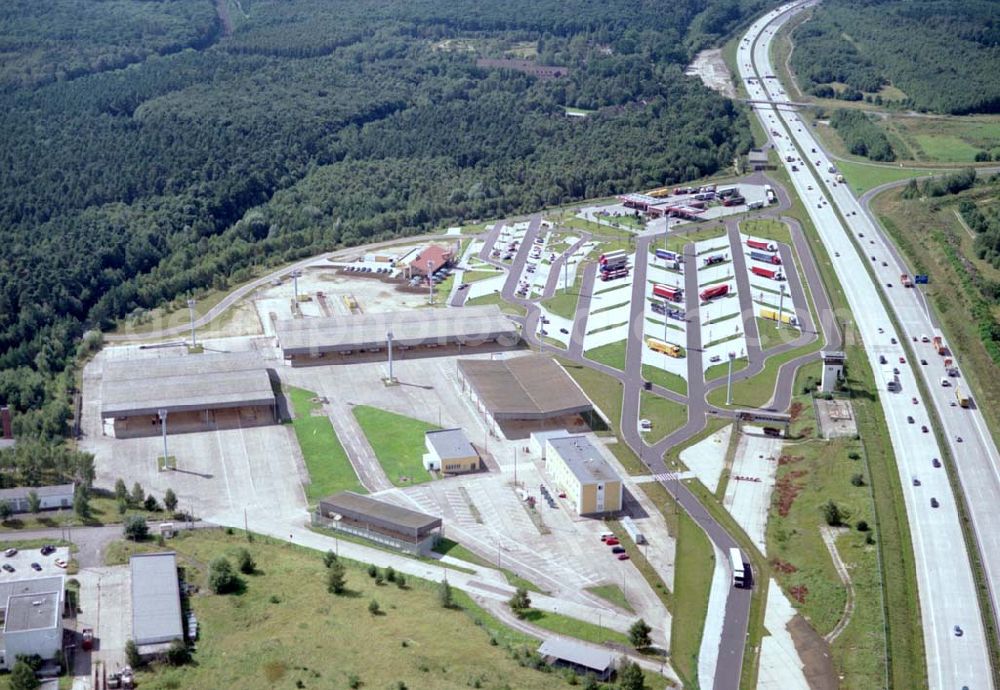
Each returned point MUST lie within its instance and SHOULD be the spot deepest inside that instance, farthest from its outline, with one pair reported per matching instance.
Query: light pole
(337, 517)
(729, 382)
(163, 425)
(781, 305)
(388, 338)
(565, 272)
(295, 283)
(430, 283)
(194, 341)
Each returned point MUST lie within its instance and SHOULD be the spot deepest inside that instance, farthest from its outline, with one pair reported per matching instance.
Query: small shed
(582, 658)
(450, 451)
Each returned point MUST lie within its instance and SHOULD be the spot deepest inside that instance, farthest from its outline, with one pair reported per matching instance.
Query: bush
(135, 528)
(862, 526)
(373, 608)
(390, 574)
(832, 513)
(379, 579)
(858, 479)
(22, 677)
(150, 504)
(336, 578)
(520, 603)
(638, 634)
(372, 571)
(329, 558)
(445, 596)
(178, 653)
(245, 562)
(401, 581)
(132, 654)
(221, 577)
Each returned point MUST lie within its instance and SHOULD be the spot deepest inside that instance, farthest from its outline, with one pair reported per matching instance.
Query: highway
(944, 576)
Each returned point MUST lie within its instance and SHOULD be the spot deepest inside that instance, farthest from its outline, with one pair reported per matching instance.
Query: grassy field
(604, 391)
(722, 369)
(473, 276)
(563, 302)
(573, 627)
(757, 390)
(864, 176)
(398, 442)
(766, 228)
(667, 379)
(449, 547)
(692, 232)
(505, 307)
(810, 473)
(694, 563)
(772, 336)
(666, 415)
(329, 468)
(612, 594)
(924, 232)
(612, 354)
(315, 639)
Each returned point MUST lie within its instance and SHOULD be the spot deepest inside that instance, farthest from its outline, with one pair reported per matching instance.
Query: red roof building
(438, 257)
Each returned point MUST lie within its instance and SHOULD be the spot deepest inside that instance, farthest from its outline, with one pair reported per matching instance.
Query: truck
(891, 380)
(668, 255)
(614, 256)
(786, 318)
(904, 279)
(714, 291)
(613, 266)
(668, 349)
(714, 259)
(950, 368)
(938, 344)
(772, 273)
(612, 275)
(753, 205)
(704, 196)
(961, 396)
(765, 257)
(772, 198)
(840, 178)
(676, 313)
(727, 192)
(762, 245)
(733, 201)
(668, 292)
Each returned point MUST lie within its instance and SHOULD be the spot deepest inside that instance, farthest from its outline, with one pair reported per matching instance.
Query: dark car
(934, 502)
(936, 462)
(618, 549)
(924, 429)
(909, 419)
(35, 566)
(8, 567)
(923, 362)
(47, 549)
(958, 631)
(563, 330)
(916, 482)
(648, 385)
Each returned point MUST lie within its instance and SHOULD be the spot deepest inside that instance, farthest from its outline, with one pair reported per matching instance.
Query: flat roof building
(199, 393)
(532, 387)
(54, 497)
(578, 656)
(449, 451)
(757, 159)
(379, 521)
(331, 339)
(32, 618)
(156, 601)
(579, 469)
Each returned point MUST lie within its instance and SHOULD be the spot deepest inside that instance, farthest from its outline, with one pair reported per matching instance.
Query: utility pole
(729, 382)
(781, 305)
(388, 338)
(565, 272)
(295, 283)
(191, 303)
(515, 466)
(163, 425)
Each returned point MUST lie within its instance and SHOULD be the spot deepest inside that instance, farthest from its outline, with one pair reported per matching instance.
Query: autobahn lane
(944, 575)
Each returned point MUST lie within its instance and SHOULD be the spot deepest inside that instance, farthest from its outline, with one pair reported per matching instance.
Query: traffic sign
(921, 280)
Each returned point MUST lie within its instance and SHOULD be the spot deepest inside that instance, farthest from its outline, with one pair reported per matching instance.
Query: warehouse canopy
(529, 387)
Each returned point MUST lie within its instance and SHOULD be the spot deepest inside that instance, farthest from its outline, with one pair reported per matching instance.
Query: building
(436, 256)
(379, 521)
(529, 391)
(582, 658)
(50, 497)
(833, 369)
(540, 438)
(6, 428)
(156, 602)
(579, 469)
(201, 392)
(757, 160)
(32, 618)
(449, 451)
(332, 340)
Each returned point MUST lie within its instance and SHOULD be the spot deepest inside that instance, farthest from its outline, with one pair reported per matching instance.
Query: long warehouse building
(201, 392)
(334, 339)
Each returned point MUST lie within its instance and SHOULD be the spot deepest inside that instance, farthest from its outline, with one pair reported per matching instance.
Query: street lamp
(430, 283)
(162, 413)
(337, 517)
(191, 303)
(295, 283)
(781, 305)
(729, 382)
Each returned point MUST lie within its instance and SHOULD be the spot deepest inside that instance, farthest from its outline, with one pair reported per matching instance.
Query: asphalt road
(944, 578)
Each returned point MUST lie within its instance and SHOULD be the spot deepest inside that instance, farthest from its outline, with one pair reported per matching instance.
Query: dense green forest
(985, 222)
(154, 147)
(943, 54)
(862, 136)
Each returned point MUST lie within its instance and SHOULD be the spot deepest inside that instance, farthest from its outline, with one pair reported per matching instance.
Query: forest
(862, 136)
(942, 54)
(985, 222)
(153, 148)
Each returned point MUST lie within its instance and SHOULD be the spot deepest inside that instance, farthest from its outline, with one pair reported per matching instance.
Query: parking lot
(21, 565)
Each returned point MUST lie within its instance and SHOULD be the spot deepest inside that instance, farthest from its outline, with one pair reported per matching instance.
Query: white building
(449, 451)
(50, 497)
(32, 618)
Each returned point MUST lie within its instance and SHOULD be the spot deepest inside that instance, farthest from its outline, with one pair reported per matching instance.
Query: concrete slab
(708, 654)
(751, 481)
(707, 458)
(780, 665)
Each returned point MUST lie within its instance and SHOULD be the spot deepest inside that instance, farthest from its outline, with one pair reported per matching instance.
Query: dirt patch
(817, 663)
(783, 566)
(789, 459)
(711, 68)
(795, 411)
(787, 490)
(799, 593)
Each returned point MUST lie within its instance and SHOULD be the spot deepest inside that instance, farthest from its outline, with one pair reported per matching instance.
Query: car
(618, 549)
(836, 253)
(914, 400)
(463, 286)
(612, 541)
(8, 567)
(60, 563)
(909, 419)
(884, 263)
(895, 370)
(606, 535)
(562, 494)
(888, 284)
(809, 187)
(923, 362)
(861, 234)
(958, 632)
(882, 359)
(894, 341)
(564, 331)
(958, 439)
(48, 549)
(916, 482)
(902, 360)
(715, 358)
(934, 502)
(880, 330)
(623, 557)
(924, 428)
(819, 205)
(935, 462)
(10, 552)
(35, 566)
(873, 257)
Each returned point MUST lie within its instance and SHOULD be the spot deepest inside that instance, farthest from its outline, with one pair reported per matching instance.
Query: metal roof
(184, 384)
(577, 653)
(156, 598)
(583, 460)
(529, 387)
(467, 325)
(360, 507)
(31, 586)
(43, 491)
(32, 612)
(450, 443)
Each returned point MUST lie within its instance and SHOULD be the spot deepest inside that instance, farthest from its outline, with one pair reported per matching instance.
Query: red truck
(762, 244)
(905, 280)
(772, 273)
(714, 291)
(674, 294)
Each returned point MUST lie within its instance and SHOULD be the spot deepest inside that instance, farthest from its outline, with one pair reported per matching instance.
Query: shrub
(170, 500)
(336, 579)
(373, 607)
(862, 526)
(372, 571)
(390, 574)
(329, 558)
(132, 654)
(178, 653)
(445, 596)
(135, 528)
(831, 513)
(245, 562)
(221, 577)
(150, 504)
(858, 479)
